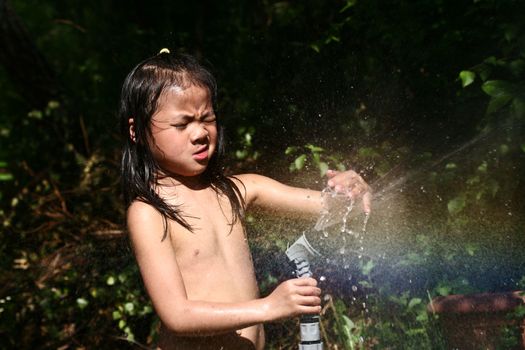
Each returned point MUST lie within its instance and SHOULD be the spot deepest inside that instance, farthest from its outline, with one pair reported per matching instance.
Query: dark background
(424, 98)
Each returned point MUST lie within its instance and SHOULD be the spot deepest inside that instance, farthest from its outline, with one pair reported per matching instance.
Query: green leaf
(53, 104)
(323, 168)
(413, 302)
(340, 167)
(482, 168)
(299, 161)
(368, 152)
(348, 322)
(314, 149)
(110, 281)
(496, 103)
(290, 150)
(365, 284)
(82, 303)
(443, 290)
(467, 77)
(6, 177)
(116, 315)
(456, 205)
(122, 277)
(129, 307)
(422, 316)
(35, 114)
(248, 138)
(241, 154)
(315, 47)
(349, 4)
(470, 249)
(367, 268)
(498, 88)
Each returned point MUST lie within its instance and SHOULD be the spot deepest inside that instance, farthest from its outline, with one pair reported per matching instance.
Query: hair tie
(164, 50)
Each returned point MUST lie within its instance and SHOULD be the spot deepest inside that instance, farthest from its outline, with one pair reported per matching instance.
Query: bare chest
(213, 230)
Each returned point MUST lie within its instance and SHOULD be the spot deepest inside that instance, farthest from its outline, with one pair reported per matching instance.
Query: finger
(309, 301)
(367, 202)
(357, 191)
(344, 180)
(331, 173)
(305, 281)
(309, 291)
(311, 310)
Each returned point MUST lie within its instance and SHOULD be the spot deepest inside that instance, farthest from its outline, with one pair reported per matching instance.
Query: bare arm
(163, 280)
(264, 192)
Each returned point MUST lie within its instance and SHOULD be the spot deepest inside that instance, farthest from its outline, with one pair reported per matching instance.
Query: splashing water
(337, 210)
(337, 207)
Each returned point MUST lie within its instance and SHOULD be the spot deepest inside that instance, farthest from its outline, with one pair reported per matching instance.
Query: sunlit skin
(202, 283)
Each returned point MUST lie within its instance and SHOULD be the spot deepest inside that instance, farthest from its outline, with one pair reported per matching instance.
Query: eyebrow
(186, 117)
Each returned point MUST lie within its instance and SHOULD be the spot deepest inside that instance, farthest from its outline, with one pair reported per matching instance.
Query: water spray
(336, 208)
(300, 253)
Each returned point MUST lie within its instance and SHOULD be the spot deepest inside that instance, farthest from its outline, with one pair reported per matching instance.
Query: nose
(199, 134)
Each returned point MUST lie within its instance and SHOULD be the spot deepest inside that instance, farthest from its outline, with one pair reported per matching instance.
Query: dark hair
(141, 91)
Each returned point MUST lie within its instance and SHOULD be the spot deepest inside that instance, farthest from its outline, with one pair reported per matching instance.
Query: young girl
(184, 215)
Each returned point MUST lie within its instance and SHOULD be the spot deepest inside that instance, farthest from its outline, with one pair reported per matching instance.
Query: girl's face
(184, 131)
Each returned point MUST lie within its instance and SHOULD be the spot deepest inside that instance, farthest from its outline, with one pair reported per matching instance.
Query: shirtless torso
(205, 279)
(216, 266)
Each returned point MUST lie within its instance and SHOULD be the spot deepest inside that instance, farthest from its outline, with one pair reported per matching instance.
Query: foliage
(425, 100)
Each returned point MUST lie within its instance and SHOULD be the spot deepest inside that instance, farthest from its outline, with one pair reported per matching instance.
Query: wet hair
(140, 173)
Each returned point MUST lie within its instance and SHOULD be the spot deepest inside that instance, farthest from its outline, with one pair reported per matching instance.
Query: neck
(197, 182)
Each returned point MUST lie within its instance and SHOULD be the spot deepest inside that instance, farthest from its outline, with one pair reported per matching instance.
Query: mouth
(201, 154)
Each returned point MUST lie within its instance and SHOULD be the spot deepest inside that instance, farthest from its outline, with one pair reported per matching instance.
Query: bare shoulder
(143, 218)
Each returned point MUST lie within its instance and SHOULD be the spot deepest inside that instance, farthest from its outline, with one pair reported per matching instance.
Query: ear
(131, 124)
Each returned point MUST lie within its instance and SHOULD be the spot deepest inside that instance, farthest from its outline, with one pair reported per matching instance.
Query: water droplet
(354, 288)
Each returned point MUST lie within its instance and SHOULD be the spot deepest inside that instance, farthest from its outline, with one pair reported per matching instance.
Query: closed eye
(180, 126)
(209, 118)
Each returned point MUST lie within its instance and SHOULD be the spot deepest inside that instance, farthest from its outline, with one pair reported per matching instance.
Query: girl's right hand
(292, 298)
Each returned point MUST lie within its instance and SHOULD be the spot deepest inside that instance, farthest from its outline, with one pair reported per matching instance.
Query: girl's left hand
(352, 184)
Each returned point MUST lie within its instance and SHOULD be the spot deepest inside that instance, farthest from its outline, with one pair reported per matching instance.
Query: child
(184, 215)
